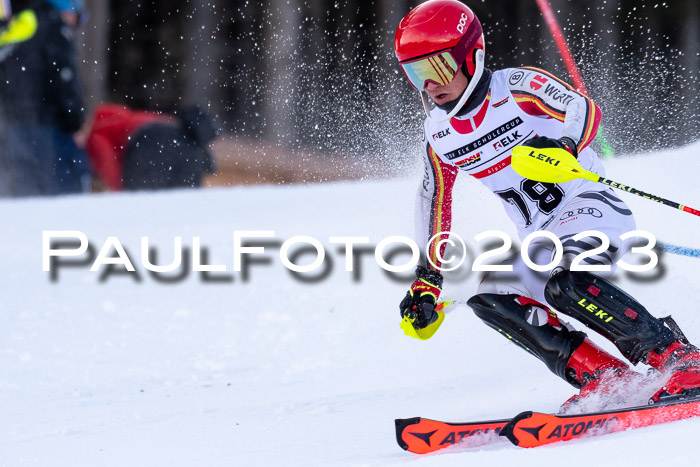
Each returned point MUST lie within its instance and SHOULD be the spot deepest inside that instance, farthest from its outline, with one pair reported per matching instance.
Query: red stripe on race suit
(441, 209)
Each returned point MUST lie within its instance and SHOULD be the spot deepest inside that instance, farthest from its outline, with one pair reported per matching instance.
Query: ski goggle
(439, 68)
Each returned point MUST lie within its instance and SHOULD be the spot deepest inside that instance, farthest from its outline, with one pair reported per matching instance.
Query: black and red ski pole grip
(648, 196)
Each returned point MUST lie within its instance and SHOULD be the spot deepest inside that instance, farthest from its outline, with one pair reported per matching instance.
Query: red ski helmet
(437, 39)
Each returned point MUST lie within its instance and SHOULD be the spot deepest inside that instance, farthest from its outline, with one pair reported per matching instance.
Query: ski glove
(419, 303)
(543, 142)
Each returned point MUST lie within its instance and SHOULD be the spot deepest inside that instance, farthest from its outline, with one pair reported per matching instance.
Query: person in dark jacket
(40, 100)
(170, 156)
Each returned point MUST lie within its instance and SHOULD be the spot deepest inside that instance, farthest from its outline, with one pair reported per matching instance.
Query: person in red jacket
(134, 149)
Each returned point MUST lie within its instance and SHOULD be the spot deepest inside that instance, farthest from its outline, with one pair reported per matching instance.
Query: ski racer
(475, 118)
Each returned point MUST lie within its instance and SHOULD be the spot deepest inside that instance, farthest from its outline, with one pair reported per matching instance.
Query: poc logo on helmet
(462, 22)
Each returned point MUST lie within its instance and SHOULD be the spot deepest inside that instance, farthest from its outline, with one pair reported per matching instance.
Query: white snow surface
(273, 371)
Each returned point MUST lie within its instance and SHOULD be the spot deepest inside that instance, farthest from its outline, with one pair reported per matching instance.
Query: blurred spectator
(140, 150)
(5, 13)
(40, 100)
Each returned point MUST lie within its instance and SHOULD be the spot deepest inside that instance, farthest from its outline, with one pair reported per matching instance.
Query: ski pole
(555, 165)
(560, 41)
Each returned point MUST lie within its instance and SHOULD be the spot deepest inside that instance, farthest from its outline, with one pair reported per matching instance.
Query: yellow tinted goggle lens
(440, 68)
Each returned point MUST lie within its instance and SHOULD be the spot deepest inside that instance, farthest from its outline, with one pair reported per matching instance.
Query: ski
(422, 435)
(532, 429)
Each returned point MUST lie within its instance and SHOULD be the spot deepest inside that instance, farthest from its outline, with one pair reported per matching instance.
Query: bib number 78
(546, 195)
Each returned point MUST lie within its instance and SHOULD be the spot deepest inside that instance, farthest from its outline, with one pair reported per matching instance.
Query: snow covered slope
(273, 371)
